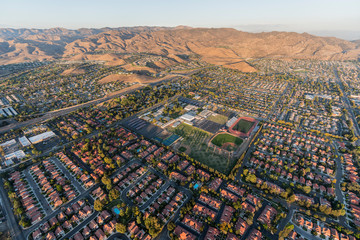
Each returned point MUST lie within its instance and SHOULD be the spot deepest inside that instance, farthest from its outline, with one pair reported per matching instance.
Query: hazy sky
(325, 17)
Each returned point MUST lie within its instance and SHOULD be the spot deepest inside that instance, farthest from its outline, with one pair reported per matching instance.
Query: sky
(339, 18)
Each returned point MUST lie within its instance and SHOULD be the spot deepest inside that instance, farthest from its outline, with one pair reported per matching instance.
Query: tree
(307, 189)
(98, 205)
(59, 188)
(291, 199)
(120, 228)
(171, 226)
(224, 227)
(122, 213)
(251, 178)
(285, 232)
(114, 194)
(153, 225)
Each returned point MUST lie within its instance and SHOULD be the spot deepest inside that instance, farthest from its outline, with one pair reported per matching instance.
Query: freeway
(65, 111)
(15, 230)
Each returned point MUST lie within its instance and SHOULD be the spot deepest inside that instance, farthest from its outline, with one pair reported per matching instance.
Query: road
(154, 196)
(15, 230)
(80, 226)
(77, 185)
(304, 233)
(348, 105)
(44, 203)
(127, 189)
(116, 236)
(288, 218)
(20, 234)
(65, 111)
(56, 212)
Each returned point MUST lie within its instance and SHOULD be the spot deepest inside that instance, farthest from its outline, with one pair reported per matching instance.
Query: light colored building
(8, 162)
(231, 121)
(188, 117)
(13, 111)
(41, 137)
(190, 107)
(18, 154)
(7, 111)
(8, 143)
(24, 141)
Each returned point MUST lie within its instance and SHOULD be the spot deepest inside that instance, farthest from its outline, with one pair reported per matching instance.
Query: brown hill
(221, 46)
(128, 78)
(73, 71)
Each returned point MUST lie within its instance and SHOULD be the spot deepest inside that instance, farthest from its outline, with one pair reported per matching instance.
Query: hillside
(221, 46)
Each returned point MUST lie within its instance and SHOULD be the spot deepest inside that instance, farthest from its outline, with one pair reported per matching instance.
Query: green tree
(120, 228)
(114, 194)
(98, 205)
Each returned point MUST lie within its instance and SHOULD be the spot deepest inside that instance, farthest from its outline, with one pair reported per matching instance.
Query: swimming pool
(196, 186)
(116, 211)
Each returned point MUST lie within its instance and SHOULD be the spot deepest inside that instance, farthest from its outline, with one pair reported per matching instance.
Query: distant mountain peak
(212, 44)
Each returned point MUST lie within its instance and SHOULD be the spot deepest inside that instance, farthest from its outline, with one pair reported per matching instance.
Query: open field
(221, 119)
(131, 67)
(243, 126)
(195, 140)
(223, 138)
(127, 78)
(73, 71)
(188, 131)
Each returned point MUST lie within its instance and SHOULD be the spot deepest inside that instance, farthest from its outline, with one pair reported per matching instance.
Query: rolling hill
(222, 46)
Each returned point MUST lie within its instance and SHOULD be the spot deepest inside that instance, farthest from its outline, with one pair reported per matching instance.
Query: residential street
(44, 203)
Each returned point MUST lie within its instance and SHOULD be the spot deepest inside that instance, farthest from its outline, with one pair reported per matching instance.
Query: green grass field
(221, 119)
(182, 149)
(243, 126)
(196, 140)
(220, 139)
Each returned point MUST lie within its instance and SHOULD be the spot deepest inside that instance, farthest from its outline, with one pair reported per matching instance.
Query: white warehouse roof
(41, 137)
(24, 141)
(18, 154)
(8, 143)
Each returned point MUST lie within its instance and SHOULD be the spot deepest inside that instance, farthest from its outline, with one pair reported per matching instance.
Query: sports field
(243, 126)
(223, 138)
(221, 119)
(195, 140)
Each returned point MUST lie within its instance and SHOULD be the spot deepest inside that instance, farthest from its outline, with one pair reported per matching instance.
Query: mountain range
(223, 46)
